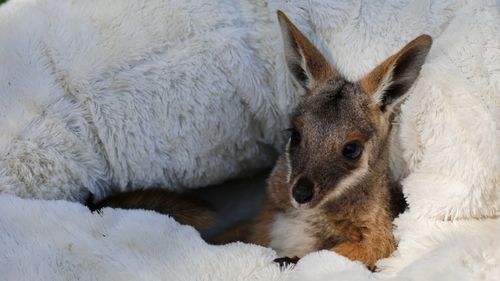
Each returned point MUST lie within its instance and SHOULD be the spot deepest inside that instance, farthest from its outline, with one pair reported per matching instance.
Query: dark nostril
(303, 191)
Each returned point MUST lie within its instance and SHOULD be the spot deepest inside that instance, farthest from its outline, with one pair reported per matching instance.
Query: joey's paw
(286, 261)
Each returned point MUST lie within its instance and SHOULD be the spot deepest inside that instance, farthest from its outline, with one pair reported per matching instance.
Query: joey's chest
(294, 234)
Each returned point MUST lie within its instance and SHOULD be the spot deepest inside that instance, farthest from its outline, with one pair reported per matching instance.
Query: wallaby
(331, 188)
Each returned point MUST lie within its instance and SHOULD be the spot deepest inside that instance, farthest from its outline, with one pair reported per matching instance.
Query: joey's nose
(303, 191)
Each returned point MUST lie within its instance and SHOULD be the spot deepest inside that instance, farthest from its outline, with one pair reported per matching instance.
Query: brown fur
(183, 208)
(233, 234)
(352, 207)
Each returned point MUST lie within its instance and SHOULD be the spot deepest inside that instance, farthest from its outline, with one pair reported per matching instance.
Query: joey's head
(340, 130)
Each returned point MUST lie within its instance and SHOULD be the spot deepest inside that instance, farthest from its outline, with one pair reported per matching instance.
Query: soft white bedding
(127, 93)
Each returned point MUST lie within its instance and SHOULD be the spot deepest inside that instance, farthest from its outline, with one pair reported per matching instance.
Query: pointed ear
(389, 82)
(306, 63)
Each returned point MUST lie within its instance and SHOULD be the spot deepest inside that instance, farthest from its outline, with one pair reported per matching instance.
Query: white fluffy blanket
(85, 87)
(60, 240)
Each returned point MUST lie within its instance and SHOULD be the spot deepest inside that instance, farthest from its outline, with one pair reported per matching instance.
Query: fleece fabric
(109, 95)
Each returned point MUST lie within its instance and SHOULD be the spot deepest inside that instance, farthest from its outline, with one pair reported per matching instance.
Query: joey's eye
(352, 150)
(294, 136)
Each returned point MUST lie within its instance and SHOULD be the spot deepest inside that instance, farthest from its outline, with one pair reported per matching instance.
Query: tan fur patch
(369, 249)
(356, 136)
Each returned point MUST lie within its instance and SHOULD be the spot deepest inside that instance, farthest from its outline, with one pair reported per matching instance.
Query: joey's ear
(389, 82)
(306, 63)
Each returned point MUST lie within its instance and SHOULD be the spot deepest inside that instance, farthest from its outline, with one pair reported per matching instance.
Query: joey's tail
(183, 208)
(239, 232)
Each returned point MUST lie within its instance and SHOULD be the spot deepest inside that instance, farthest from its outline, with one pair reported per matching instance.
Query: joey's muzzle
(303, 191)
